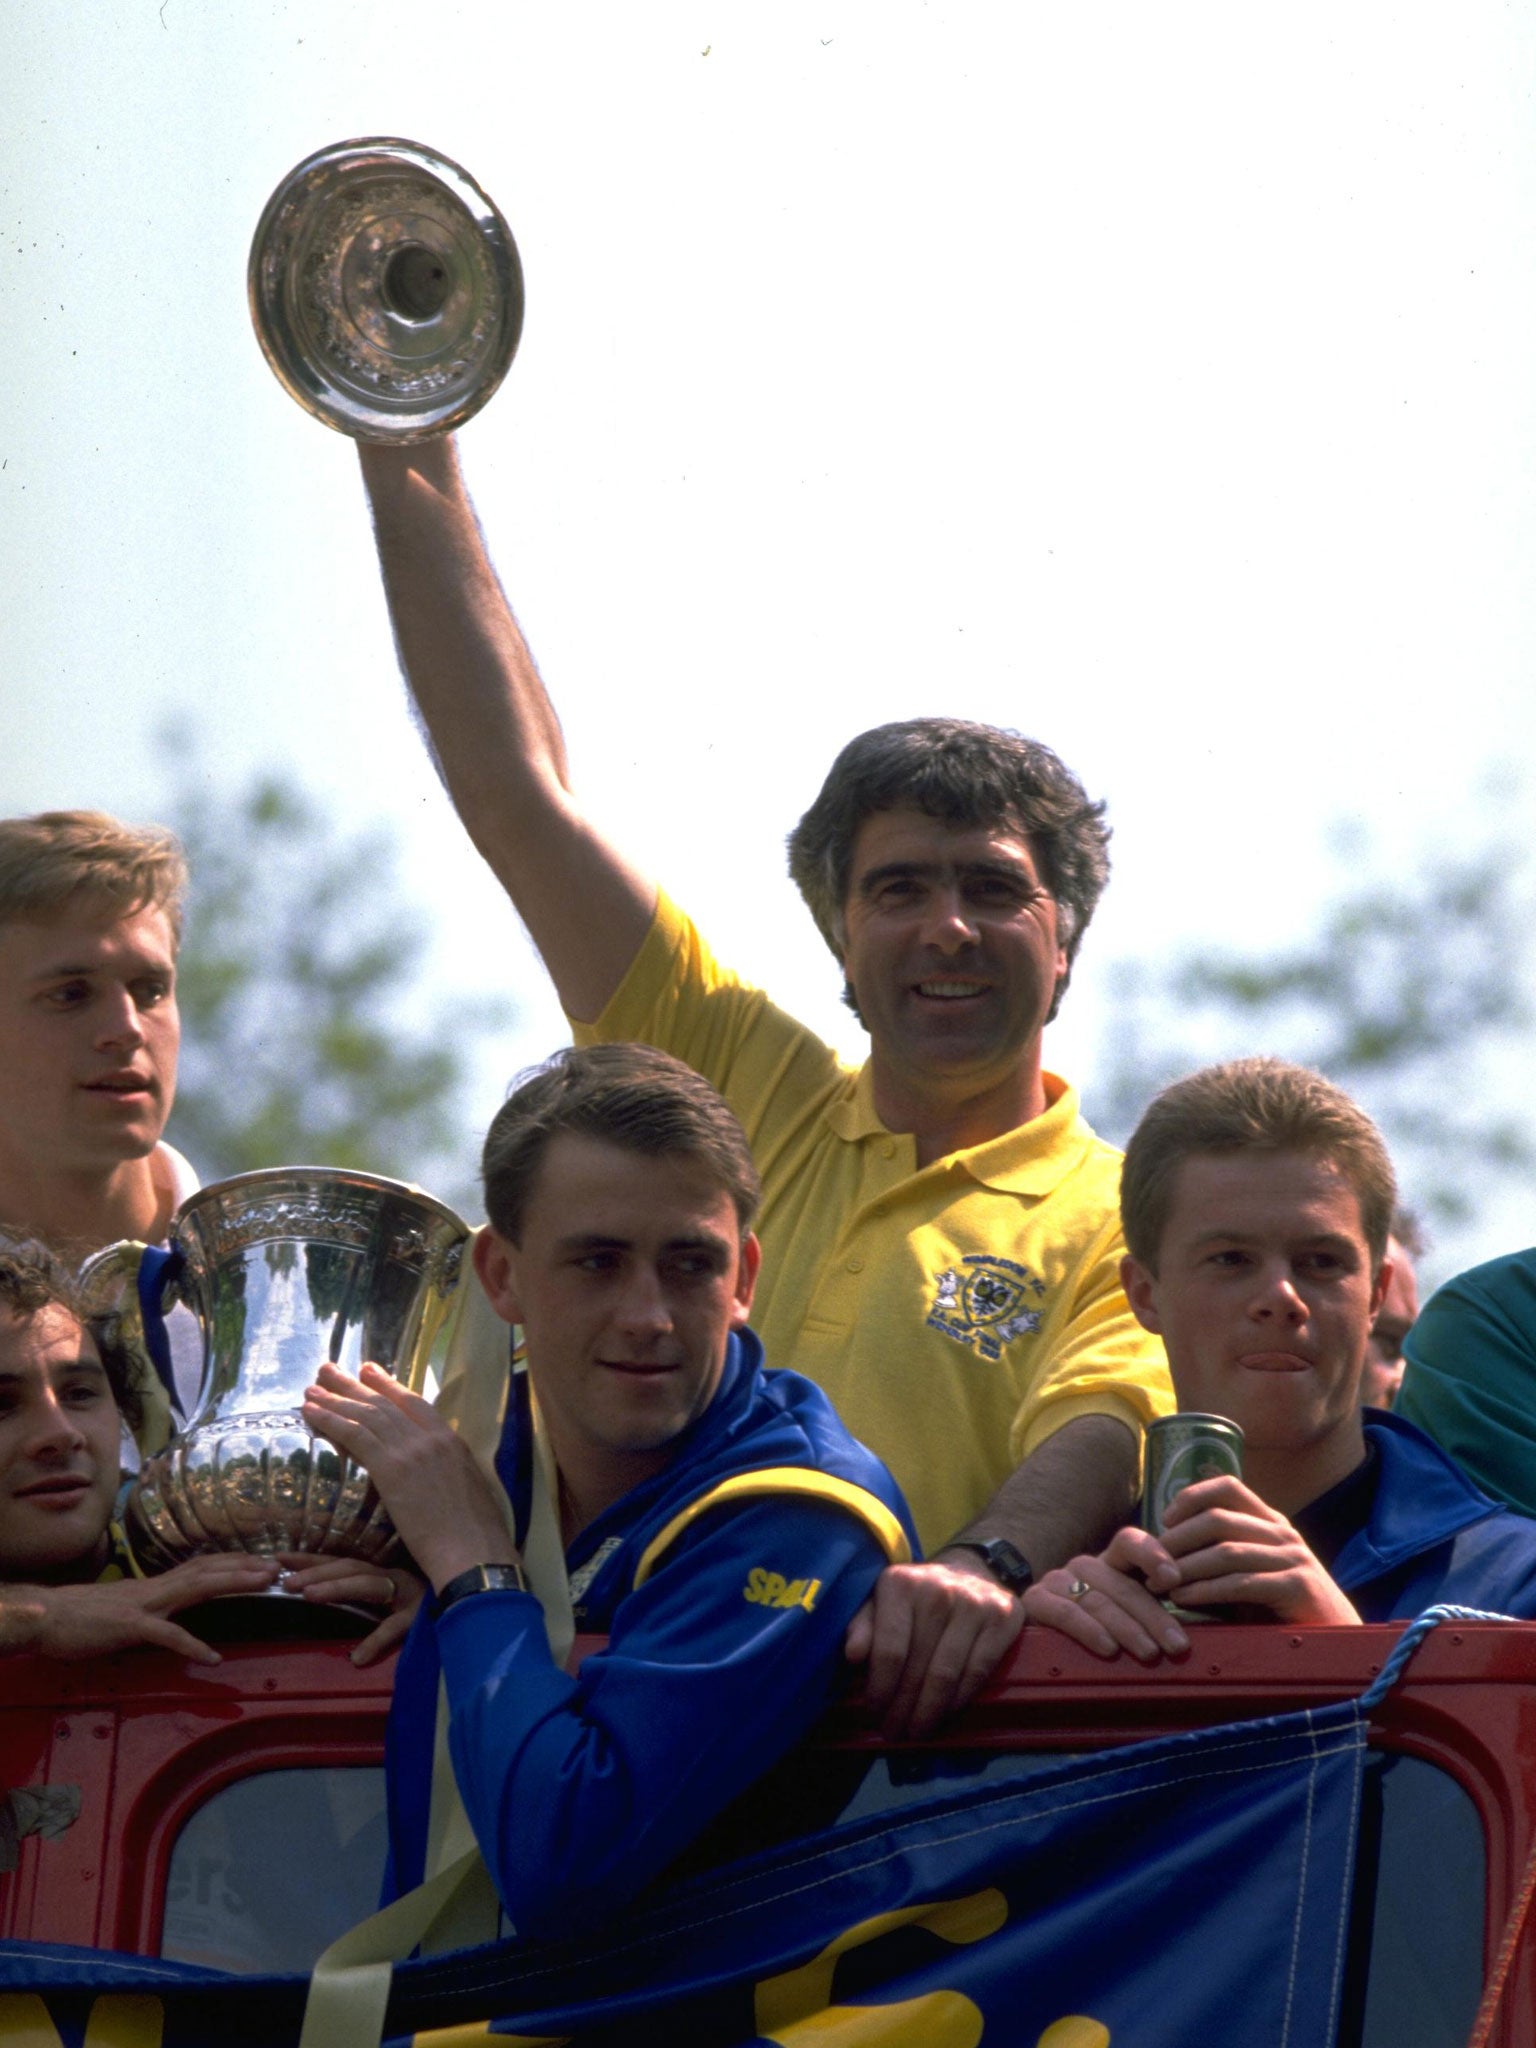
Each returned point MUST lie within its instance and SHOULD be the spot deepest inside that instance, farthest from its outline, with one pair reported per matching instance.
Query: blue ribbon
(157, 1269)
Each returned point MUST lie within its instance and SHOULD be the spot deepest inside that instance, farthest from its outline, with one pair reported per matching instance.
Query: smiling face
(1263, 1296)
(629, 1278)
(60, 1446)
(952, 953)
(89, 1034)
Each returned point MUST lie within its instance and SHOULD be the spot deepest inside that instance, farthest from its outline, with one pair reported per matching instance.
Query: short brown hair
(33, 1278)
(55, 859)
(1253, 1105)
(628, 1095)
(963, 774)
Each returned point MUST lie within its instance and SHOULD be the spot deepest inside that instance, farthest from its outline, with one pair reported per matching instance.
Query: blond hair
(57, 860)
(1253, 1105)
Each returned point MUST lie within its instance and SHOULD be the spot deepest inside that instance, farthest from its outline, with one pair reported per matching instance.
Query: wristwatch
(1007, 1564)
(482, 1578)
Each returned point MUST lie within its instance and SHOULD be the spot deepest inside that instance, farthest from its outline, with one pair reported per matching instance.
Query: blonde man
(90, 922)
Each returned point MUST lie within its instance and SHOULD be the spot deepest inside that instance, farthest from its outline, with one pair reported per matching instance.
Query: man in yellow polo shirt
(941, 1241)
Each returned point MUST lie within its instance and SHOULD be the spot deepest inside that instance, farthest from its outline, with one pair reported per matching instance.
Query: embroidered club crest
(986, 1301)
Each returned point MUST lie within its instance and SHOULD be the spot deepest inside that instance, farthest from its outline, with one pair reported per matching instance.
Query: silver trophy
(283, 1269)
(385, 289)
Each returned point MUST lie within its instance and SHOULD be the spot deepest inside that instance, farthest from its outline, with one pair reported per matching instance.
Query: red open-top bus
(233, 1815)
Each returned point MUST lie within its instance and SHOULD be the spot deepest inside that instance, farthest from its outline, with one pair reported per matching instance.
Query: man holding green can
(1257, 1202)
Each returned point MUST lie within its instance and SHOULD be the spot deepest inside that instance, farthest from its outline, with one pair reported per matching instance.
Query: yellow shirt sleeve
(958, 1314)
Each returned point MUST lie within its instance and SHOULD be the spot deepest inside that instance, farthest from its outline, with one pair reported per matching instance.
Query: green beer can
(1180, 1450)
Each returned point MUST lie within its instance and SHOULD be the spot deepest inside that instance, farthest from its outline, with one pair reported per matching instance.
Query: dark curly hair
(33, 1278)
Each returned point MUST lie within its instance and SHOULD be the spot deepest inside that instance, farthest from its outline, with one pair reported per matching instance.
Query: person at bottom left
(719, 1524)
(65, 1588)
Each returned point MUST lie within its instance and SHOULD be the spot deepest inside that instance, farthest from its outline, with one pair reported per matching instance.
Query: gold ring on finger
(1078, 1589)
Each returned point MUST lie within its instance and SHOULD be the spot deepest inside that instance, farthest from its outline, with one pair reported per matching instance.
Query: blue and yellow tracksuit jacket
(724, 1585)
(1431, 1535)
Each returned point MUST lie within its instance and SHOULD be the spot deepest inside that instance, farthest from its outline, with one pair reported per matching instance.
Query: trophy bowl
(385, 289)
(283, 1269)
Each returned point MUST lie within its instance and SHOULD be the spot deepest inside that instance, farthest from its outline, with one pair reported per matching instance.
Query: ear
(496, 1268)
(1140, 1285)
(746, 1279)
(1380, 1285)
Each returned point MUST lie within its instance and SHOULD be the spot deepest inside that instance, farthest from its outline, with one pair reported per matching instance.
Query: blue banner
(1188, 1890)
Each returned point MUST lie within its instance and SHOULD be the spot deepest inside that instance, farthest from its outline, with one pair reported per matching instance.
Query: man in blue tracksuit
(1257, 1202)
(1421, 1532)
(719, 1523)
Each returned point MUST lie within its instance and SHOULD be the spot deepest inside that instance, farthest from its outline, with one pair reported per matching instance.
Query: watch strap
(482, 1578)
(1004, 1560)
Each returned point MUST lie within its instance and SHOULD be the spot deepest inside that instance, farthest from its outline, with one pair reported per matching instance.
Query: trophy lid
(385, 289)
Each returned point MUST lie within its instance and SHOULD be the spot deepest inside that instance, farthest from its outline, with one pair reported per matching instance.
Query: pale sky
(1157, 379)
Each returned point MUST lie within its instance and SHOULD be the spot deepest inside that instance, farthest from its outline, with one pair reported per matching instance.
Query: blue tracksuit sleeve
(582, 1790)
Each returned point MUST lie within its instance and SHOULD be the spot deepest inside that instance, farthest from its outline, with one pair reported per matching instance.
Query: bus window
(270, 1870)
(1419, 1890)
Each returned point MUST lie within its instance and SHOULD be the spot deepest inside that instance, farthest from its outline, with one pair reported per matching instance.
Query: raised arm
(492, 729)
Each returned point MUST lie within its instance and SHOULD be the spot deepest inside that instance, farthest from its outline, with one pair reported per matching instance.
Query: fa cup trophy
(283, 1270)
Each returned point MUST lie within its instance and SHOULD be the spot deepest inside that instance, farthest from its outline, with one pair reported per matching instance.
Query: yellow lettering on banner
(799, 1994)
(475, 2036)
(941, 2019)
(24, 2021)
(118, 2020)
(1074, 2032)
(123, 2019)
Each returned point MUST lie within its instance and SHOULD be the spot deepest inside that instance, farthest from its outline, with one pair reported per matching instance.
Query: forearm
(492, 728)
(469, 668)
(1070, 1495)
(21, 1621)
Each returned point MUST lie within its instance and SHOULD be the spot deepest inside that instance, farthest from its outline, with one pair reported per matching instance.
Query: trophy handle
(127, 1288)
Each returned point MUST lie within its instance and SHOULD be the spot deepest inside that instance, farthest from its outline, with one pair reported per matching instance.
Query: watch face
(1007, 1564)
(483, 1578)
(502, 1578)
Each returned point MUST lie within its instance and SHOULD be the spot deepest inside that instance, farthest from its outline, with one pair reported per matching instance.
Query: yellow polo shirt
(956, 1316)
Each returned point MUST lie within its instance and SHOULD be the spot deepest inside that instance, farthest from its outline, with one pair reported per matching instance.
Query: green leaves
(305, 1035)
(1412, 992)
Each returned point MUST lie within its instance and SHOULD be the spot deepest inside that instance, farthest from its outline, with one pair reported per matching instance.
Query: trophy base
(278, 1616)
